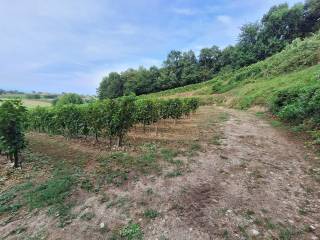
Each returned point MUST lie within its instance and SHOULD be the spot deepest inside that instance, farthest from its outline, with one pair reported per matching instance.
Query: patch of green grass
(151, 213)
(168, 154)
(53, 191)
(193, 149)
(87, 185)
(131, 232)
(260, 114)
(276, 123)
(286, 233)
(10, 200)
(114, 168)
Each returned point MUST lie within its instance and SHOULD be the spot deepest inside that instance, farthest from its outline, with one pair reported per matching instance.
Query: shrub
(12, 118)
(69, 98)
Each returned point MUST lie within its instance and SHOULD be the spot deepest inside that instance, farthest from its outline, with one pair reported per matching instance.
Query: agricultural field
(203, 175)
(29, 103)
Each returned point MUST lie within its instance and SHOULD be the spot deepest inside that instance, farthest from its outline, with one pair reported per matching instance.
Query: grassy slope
(296, 66)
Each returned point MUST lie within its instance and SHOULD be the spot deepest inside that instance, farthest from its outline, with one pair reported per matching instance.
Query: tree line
(257, 41)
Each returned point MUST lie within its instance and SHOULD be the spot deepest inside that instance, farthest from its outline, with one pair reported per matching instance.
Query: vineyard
(108, 119)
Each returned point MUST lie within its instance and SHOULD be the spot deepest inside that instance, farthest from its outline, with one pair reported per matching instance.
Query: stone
(102, 225)
(312, 228)
(254, 232)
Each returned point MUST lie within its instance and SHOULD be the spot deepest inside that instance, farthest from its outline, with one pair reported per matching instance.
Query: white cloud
(227, 20)
(184, 11)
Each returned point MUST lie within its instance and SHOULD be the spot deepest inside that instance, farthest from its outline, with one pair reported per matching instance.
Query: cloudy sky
(68, 45)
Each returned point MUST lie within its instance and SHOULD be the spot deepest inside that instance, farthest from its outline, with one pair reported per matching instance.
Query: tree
(12, 118)
(311, 14)
(209, 59)
(111, 86)
(69, 98)
(248, 44)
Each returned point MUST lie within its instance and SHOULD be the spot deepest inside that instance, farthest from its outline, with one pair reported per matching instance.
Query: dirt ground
(249, 180)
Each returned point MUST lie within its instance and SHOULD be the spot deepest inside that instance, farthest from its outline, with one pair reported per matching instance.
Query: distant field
(31, 103)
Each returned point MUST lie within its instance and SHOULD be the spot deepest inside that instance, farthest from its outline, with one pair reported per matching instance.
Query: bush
(69, 98)
(12, 118)
(298, 105)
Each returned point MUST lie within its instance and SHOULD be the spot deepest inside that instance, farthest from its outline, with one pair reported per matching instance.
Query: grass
(131, 232)
(114, 168)
(151, 213)
(50, 193)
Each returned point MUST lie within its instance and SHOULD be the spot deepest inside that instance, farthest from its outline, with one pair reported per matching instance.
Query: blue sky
(69, 45)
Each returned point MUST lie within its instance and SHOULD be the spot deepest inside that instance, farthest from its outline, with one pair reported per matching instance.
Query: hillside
(232, 158)
(296, 66)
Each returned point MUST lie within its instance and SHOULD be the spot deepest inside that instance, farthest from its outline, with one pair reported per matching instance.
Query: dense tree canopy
(69, 98)
(257, 41)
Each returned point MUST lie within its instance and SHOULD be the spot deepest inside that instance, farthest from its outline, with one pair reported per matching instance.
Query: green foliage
(107, 118)
(12, 118)
(298, 105)
(257, 41)
(53, 191)
(131, 232)
(147, 111)
(151, 213)
(69, 98)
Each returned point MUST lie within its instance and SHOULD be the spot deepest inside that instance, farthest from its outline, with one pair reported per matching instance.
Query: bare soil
(249, 180)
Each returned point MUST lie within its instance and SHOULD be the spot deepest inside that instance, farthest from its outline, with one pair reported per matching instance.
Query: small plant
(151, 213)
(175, 173)
(131, 232)
(168, 154)
(87, 185)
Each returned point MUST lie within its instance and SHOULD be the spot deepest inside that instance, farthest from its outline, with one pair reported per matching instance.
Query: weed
(18, 230)
(53, 191)
(174, 173)
(276, 123)
(225, 234)
(151, 213)
(286, 233)
(168, 154)
(260, 114)
(244, 232)
(114, 168)
(149, 191)
(87, 185)
(131, 232)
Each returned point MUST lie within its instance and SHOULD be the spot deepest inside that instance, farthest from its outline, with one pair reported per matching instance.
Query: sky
(69, 45)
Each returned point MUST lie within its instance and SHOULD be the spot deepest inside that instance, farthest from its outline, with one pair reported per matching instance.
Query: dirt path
(254, 184)
(249, 181)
